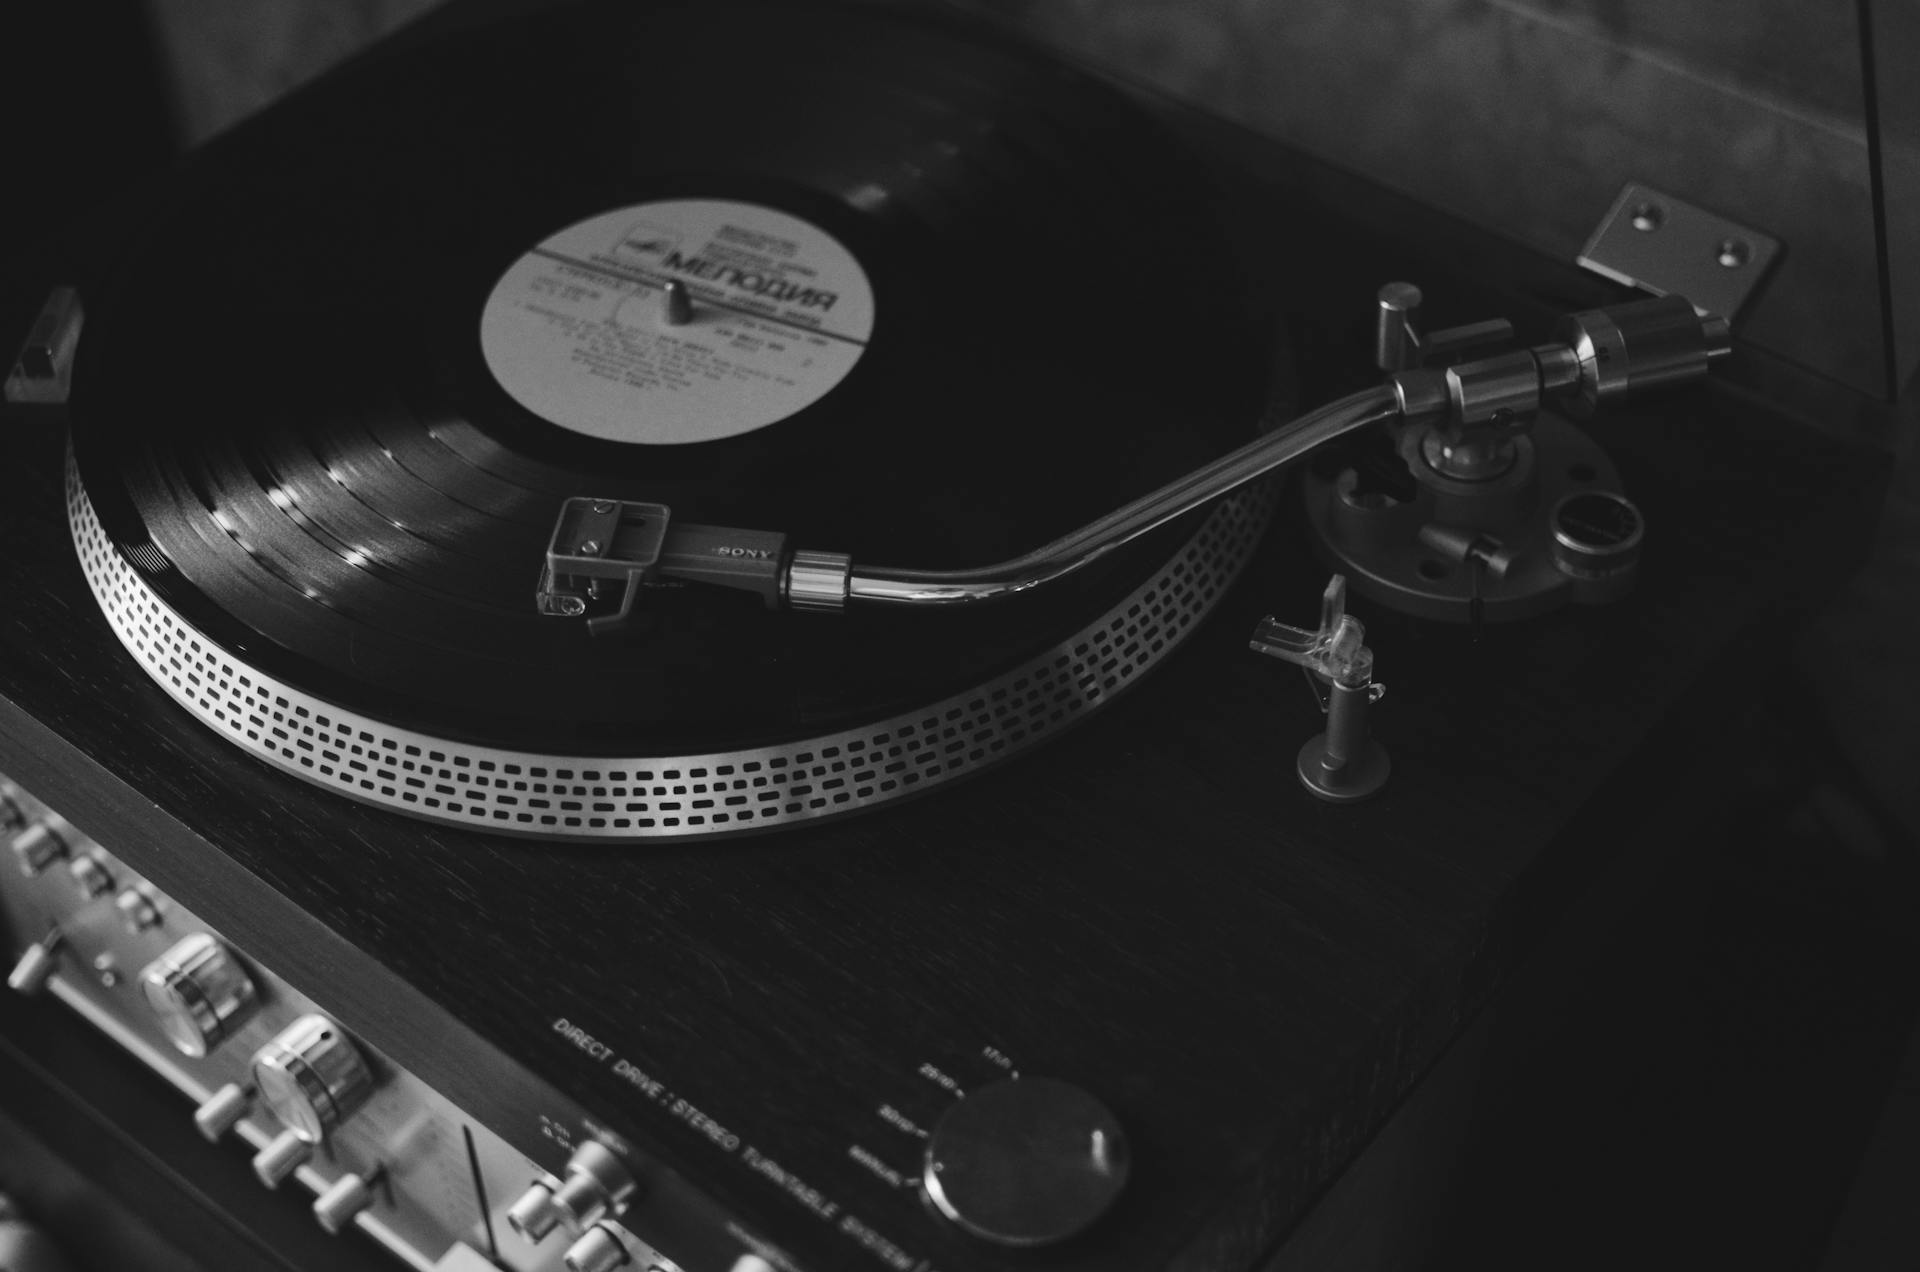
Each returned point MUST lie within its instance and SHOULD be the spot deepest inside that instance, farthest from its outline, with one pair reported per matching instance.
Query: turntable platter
(948, 301)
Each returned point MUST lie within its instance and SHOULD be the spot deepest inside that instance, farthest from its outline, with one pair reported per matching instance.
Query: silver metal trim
(651, 798)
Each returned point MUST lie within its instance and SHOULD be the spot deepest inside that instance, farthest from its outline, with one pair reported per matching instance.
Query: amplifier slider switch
(221, 1112)
(38, 847)
(597, 1185)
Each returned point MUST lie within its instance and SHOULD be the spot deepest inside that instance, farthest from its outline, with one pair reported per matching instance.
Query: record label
(577, 330)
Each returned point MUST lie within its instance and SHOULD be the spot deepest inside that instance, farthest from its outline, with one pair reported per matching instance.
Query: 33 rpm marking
(576, 330)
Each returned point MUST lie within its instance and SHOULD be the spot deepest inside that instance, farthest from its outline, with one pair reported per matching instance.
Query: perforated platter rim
(666, 797)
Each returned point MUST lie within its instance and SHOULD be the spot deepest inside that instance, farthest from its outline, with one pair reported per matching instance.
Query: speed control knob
(200, 993)
(312, 1077)
(1026, 1162)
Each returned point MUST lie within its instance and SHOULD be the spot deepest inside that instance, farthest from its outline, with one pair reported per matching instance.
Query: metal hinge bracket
(1665, 246)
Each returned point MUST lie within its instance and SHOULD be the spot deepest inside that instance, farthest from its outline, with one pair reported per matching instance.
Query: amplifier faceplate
(418, 1176)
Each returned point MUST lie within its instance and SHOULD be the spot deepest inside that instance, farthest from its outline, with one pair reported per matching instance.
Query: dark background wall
(1527, 115)
(228, 58)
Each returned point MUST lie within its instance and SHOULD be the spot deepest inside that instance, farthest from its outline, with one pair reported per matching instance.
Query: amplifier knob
(287, 1152)
(534, 1215)
(221, 1112)
(1026, 1162)
(38, 847)
(597, 1184)
(312, 1077)
(347, 1197)
(199, 992)
(597, 1250)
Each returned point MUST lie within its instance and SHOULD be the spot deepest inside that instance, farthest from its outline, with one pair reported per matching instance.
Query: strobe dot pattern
(666, 796)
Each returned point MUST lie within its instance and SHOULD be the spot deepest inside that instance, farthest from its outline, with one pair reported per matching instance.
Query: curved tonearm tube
(604, 550)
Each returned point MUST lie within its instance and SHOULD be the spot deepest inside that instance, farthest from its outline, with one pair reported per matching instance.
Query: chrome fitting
(818, 580)
(1648, 344)
(1494, 389)
(1421, 395)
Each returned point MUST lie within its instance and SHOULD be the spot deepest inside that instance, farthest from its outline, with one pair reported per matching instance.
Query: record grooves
(283, 400)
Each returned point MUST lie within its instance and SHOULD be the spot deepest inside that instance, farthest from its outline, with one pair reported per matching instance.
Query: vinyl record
(950, 299)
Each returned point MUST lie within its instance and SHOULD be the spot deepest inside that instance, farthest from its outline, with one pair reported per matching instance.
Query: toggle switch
(346, 1197)
(36, 965)
(222, 1112)
(287, 1152)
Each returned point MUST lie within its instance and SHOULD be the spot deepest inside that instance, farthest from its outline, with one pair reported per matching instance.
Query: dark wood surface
(1693, 1059)
(1150, 906)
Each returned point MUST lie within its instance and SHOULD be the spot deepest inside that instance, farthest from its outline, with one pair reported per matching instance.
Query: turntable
(617, 665)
